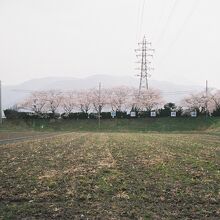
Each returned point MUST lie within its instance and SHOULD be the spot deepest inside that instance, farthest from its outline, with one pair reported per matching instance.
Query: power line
(180, 31)
(142, 17)
(155, 29)
(138, 17)
(195, 5)
(170, 16)
(141, 13)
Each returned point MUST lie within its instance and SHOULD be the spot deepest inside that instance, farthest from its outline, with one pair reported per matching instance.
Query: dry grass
(111, 176)
(9, 135)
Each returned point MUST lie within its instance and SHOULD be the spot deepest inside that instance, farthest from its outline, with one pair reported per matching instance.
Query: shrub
(143, 114)
(82, 115)
(64, 116)
(216, 112)
(75, 115)
(179, 112)
(120, 114)
(106, 115)
(164, 112)
(53, 115)
(11, 114)
(93, 116)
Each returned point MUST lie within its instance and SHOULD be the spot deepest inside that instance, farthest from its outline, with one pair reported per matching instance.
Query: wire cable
(142, 18)
(159, 21)
(169, 19)
(138, 20)
(182, 28)
(141, 14)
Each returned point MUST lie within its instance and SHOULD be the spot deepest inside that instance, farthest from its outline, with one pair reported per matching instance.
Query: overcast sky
(77, 38)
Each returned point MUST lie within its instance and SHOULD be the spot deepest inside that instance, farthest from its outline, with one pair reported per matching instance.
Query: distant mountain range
(13, 94)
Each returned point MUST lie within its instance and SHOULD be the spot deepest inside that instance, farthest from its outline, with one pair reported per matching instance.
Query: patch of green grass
(118, 125)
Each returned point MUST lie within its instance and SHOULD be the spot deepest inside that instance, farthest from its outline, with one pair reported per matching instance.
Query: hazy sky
(40, 38)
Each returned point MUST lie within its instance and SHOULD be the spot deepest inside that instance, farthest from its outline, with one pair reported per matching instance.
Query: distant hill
(13, 94)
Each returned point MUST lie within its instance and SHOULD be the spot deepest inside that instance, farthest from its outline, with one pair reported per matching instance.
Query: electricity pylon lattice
(144, 54)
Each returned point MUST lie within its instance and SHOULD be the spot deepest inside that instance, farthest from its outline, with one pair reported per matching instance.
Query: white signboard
(153, 114)
(133, 114)
(193, 114)
(113, 114)
(173, 114)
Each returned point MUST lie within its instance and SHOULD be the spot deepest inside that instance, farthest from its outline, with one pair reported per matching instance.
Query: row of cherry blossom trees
(114, 99)
(203, 101)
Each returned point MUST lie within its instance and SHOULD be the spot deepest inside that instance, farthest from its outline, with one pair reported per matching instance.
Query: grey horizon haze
(78, 38)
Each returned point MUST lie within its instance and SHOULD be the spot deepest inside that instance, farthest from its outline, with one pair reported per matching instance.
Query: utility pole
(206, 103)
(99, 113)
(143, 53)
(0, 102)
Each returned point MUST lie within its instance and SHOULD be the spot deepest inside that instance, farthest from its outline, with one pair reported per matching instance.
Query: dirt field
(13, 137)
(10, 135)
(111, 176)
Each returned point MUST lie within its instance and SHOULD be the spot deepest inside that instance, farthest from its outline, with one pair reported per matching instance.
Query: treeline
(13, 114)
(166, 111)
(122, 100)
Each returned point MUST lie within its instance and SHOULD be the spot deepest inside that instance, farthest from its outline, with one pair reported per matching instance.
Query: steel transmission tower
(144, 54)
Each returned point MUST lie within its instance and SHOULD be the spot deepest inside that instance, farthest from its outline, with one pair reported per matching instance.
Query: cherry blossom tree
(216, 99)
(69, 101)
(53, 100)
(84, 100)
(148, 100)
(200, 101)
(118, 98)
(36, 102)
(99, 99)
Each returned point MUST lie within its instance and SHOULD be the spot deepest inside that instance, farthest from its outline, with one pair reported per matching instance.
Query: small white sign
(133, 114)
(173, 114)
(193, 114)
(153, 114)
(113, 114)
